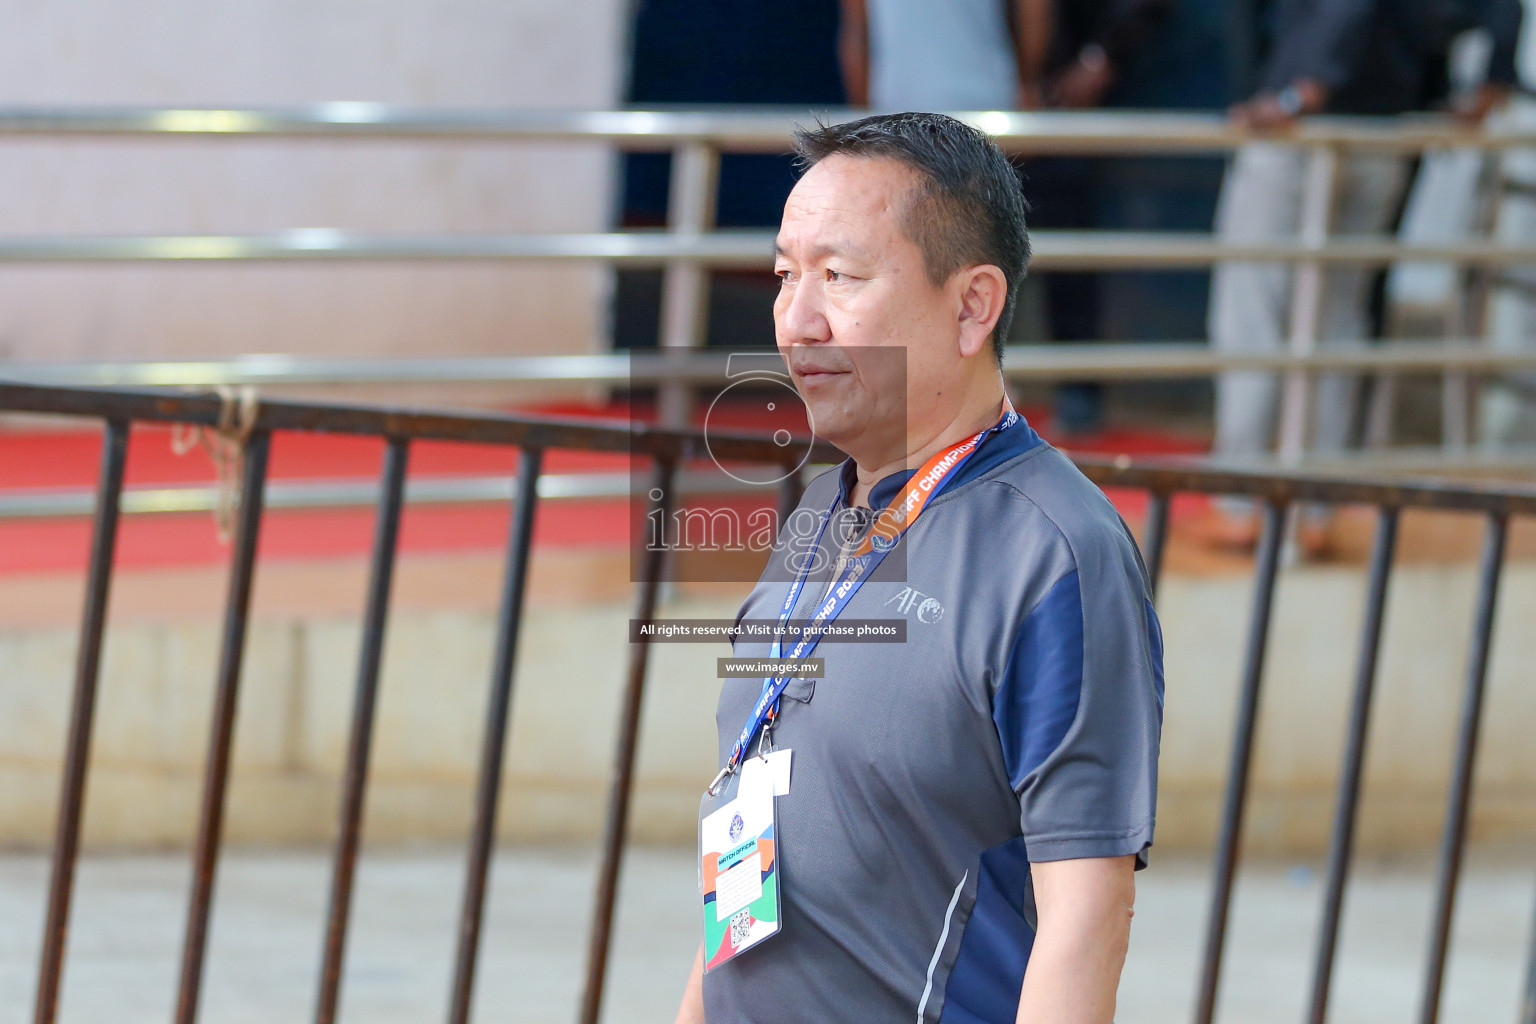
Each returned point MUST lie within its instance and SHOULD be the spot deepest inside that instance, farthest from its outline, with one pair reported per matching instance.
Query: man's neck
(967, 422)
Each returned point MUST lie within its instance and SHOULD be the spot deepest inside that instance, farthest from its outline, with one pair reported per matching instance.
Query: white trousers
(1261, 201)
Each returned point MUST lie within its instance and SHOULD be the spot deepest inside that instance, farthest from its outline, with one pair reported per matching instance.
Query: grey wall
(471, 53)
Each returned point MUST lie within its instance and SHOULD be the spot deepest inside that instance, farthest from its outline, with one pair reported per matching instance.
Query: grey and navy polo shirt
(1019, 722)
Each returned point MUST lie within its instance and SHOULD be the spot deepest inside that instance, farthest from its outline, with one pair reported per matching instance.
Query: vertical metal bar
(790, 491)
(492, 749)
(355, 782)
(1469, 317)
(1379, 414)
(66, 843)
(1318, 197)
(1455, 409)
(624, 761)
(226, 700)
(1228, 842)
(1528, 1004)
(1454, 838)
(1342, 839)
(685, 283)
(1155, 536)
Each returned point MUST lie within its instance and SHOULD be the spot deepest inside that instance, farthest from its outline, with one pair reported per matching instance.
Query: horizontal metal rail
(1052, 250)
(381, 421)
(50, 503)
(759, 129)
(1020, 362)
(62, 503)
(652, 441)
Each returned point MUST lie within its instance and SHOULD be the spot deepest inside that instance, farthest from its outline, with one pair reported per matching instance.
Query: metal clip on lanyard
(763, 740)
(938, 471)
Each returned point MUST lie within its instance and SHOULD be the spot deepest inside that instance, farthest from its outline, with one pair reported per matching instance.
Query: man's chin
(859, 438)
(835, 435)
(839, 432)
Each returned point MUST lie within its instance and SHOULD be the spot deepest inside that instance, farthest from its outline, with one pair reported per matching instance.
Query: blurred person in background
(686, 54)
(956, 55)
(1368, 57)
(1006, 55)
(1091, 41)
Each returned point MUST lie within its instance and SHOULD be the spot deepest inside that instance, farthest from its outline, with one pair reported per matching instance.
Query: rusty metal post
(1341, 845)
(493, 747)
(622, 779)
(66, 843)
(354, 786)
(1228, 845)
(1454, 839)
(210, 827)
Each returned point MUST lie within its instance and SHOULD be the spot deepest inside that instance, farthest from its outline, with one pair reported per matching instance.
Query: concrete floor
(266, 937)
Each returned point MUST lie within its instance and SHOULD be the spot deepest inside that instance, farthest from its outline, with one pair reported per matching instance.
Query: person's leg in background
(1369, 197)
(1062, 196)
(1370, 194)
(1073, 308)
(1250, 302)
(1507, 405)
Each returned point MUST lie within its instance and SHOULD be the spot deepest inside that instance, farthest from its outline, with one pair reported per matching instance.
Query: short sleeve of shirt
(1079, 706)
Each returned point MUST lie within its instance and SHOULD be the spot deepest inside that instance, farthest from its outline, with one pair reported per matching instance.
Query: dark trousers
(1062, 193)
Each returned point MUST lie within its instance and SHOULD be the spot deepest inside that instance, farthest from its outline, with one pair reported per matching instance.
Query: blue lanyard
(838, 596)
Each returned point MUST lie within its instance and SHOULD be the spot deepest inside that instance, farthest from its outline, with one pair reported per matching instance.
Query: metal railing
(1161, 361)
(666, 451)
(758, 129)
(1021, 364)
(689, 247)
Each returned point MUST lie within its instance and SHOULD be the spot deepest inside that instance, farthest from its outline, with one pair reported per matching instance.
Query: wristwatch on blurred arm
(1290, 101)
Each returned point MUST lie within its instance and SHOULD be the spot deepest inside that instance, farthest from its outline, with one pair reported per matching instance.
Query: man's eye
(835, 275)
(783, 275)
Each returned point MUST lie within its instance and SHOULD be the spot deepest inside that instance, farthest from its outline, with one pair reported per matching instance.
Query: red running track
(70, 460)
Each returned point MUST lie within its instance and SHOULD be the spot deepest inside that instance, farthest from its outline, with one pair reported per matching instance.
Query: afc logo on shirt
(907, 599)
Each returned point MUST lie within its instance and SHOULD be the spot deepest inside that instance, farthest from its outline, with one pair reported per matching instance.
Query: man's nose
(801, 316)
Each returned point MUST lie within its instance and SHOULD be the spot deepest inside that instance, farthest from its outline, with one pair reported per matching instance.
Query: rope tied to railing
(225, 445)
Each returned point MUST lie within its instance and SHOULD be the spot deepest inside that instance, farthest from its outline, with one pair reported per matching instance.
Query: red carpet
(70, 460)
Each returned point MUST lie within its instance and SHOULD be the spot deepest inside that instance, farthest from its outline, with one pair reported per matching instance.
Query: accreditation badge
(738, 862)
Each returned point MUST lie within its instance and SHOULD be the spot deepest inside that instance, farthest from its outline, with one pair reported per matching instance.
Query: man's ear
(983, 291)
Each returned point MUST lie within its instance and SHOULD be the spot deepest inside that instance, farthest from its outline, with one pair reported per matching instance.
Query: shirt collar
(888, 486)
(880, 494)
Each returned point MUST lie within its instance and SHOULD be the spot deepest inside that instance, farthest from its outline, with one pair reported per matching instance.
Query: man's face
(870, 341)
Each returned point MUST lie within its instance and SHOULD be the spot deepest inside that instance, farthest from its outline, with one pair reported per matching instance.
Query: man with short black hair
(950, 823)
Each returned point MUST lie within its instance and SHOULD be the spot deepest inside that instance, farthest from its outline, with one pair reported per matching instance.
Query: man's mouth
(811, 372)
